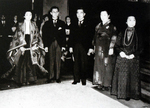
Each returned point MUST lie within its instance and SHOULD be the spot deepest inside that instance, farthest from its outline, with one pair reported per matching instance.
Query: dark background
(119, 10)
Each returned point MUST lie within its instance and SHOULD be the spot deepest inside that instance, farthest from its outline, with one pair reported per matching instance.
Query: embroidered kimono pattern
(25, 65)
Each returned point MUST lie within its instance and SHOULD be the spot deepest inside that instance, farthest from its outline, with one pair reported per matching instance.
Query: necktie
(54, 22)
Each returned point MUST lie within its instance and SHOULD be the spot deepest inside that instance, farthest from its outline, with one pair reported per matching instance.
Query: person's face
(54, 13)
(68, 20)
(80, 14)
(104, 16)
(28, 16)
(131, 21)
(15, 17)
(46, 18)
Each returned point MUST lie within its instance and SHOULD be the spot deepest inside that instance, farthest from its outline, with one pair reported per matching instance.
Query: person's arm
(113, 40)
(63, 36)
(45, 35)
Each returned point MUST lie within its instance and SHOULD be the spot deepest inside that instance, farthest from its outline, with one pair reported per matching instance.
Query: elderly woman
(126, 82)
(26, 52)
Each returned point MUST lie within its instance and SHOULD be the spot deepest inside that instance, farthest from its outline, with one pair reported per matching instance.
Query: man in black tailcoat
(54, 41)
(82, 46)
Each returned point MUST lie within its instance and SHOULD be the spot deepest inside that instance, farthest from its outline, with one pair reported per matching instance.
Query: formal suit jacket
(52, 33)
(82, 35)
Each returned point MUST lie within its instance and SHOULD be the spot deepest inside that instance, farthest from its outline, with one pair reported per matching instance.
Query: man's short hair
(54, 7)
(80, 8)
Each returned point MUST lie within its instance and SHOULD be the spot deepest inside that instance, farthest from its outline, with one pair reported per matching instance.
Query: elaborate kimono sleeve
(96, 34)
(113, 37)
(14, 52)
(39, 54)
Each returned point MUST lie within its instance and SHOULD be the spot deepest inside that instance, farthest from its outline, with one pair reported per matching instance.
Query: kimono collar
(24, 26)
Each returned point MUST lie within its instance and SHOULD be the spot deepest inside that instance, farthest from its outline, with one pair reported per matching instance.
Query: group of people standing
(116, 66)
(116, 61)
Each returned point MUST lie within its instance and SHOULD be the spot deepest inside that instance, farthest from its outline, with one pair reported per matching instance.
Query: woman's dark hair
(67, 17)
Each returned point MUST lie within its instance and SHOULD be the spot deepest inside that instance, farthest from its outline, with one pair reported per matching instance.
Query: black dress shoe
(83, 82)
(49, 81)
(32, 83)
(24, 84)
(75, 82)
(127, 99)
(58, 81)
(19, 84)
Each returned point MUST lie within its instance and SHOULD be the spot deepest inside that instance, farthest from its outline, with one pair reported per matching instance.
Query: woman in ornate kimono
(126, 84)
(26, 53)
(104, 41)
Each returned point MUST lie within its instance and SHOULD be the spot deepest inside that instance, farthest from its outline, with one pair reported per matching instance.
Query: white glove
(131, 56)
(71, 50)
(111, 51)
(46, 49)
(91, 51)
(106, 61)
(13, 29)
(122, 54)
(22, 50)
(63, 48)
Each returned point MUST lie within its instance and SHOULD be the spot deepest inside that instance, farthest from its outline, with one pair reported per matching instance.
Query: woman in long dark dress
(126, 83)
(67, 57)
(26, 53)
(104, 41)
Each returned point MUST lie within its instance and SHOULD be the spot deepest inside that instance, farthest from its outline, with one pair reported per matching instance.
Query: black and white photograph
(74, 53)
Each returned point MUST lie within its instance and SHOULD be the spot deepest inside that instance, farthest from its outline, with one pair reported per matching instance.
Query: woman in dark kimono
(126, 84)
(26, 53)
(68, 53)
(104, 41)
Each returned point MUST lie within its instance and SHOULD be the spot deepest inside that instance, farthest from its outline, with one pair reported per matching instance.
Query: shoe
(19, 84)
(75, 82)
(58, 81)
(27, 83)
(83, 82)
(24, 84)
(106, 88)
(127, 99)
(49, 81)
(100, 87)
(32, 83)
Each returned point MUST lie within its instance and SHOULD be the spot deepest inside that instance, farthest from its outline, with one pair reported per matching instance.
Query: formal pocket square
(59, 28)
